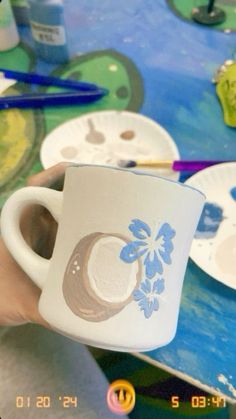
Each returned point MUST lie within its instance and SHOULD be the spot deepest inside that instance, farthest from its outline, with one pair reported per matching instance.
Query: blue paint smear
(212, 216)
(207, 314)
(233, 193)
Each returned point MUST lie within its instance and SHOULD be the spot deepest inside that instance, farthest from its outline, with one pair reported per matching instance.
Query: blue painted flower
(147, 295)
(157, 248)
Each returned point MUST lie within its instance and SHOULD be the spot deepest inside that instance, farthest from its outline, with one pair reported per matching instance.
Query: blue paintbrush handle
(54, 99)
(33, 78)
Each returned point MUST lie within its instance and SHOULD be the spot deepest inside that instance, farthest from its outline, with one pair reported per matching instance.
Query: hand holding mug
(115, 276)
(19, 296)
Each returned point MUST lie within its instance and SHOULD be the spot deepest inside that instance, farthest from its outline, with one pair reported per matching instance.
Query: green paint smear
(108, 69)
(183, 8)
(21, 133)
(100, 77)
(20, 58)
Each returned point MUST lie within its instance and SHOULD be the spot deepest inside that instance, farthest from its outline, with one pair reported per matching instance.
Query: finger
(45, 239)
(49, 177)
(31, 220)
(37, 225)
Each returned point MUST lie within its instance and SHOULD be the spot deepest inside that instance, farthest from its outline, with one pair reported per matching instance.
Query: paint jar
(21, 11)
(48, 30)
(9, 37)
(207, 13)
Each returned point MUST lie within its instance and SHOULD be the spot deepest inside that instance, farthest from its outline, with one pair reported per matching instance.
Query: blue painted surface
(177, 61)
(211, 217)
(205, 343)
(233, 193)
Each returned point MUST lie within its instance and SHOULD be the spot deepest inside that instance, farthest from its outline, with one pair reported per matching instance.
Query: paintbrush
(39, 100)
(34, 78)
(176, 165)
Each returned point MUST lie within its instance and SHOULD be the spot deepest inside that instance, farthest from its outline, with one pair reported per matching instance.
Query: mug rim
(135, 172)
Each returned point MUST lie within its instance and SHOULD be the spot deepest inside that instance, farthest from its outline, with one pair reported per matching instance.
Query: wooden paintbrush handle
(162, 164)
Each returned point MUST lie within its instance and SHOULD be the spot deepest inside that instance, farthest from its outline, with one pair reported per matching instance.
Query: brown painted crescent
(97, 283)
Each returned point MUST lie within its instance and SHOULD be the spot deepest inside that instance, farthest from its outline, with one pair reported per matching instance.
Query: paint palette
(214, 245)
(105, 137)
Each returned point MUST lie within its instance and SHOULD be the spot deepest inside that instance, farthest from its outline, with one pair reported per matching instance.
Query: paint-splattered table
(166, 66)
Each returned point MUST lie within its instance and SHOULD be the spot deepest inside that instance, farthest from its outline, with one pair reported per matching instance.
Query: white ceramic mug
(115, 277)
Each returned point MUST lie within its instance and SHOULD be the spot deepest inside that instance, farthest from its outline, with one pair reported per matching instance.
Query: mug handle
(34, 265)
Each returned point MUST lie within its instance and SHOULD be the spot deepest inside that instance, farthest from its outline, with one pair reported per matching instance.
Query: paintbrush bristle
(127, 163)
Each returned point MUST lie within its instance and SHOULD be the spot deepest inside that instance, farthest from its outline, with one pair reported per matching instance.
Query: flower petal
(155, 304)
(138, 295)
(165, 255)
(143, 304)
(132, 251)
(159, 286)
(152, 266)
(166, 246)
(166, 231)
(140, 229)
(146, 286)
(148, 309)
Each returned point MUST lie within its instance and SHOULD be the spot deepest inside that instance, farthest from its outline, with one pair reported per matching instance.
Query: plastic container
(9, 37)
(48, 30)
(21, 11)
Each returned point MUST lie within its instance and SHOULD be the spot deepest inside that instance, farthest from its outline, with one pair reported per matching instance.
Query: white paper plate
(214, 245)
(5, 84)
(105, 137)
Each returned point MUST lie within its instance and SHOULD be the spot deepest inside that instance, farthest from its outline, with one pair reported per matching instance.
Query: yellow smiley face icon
(121, 397)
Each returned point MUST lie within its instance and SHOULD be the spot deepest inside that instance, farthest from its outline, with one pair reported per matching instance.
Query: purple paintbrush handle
(194, 165)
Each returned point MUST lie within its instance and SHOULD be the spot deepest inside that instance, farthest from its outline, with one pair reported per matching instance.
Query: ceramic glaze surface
(118, 262)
